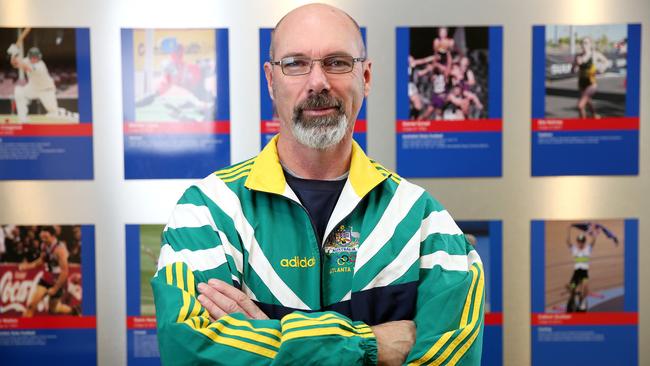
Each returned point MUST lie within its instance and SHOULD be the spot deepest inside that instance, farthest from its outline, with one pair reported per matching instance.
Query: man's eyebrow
(301, 54)
(294, 54)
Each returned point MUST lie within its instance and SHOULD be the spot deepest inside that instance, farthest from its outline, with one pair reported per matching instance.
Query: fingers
(241, 299)
(220, 298)
(216, 303)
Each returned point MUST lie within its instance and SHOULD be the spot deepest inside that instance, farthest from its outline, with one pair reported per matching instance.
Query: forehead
(316, 33)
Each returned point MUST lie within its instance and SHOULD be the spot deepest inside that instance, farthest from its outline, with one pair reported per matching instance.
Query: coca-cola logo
(16, 292)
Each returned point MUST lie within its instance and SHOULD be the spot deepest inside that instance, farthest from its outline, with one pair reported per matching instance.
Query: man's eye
(295, 63)
(337, 62)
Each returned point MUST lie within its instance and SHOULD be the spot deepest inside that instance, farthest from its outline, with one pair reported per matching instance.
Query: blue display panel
(270, 123)
(585, 99)
(448, 97)
(46, 129)
(176, 102)
(486, 236)
(142, 250)
(584, 292)
(47, 310)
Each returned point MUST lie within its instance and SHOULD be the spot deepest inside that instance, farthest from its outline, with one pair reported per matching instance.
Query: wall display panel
(449, 110)
(486, 237)
(142, 250)
(270, 124)
(46, 129)
(47, 282)
(584, 292)
(586, 99)
(175, 92)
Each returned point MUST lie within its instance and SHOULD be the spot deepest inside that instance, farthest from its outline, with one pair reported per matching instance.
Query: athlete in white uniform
(581, 252)
(40, 84)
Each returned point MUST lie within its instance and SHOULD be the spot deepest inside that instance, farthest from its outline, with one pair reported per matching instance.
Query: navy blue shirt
(318, 197)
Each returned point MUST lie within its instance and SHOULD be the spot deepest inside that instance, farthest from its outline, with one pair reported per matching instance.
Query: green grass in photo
(149, 250)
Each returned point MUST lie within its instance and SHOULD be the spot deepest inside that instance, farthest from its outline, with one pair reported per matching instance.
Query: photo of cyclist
(589, 276)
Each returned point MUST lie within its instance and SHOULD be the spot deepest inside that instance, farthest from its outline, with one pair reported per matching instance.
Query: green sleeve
(449, 307)
(187, 335)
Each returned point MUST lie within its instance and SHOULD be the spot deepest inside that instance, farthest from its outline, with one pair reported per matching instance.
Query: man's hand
(394, 341)
(220, 298)
(52, 291)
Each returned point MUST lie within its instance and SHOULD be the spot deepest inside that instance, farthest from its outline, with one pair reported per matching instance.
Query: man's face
(45, 236)
(318, 104)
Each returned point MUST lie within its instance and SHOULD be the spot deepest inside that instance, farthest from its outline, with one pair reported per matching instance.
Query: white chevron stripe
(188, 215)
(196, 260)
(347, 201)
(439, 222)
(346, 297)
(193, 216)
(229, 249)
(405, 196)
(398, 267)
(215, 189)
(448, 261)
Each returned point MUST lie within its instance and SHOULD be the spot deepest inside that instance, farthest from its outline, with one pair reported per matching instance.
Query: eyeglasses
(301, 65)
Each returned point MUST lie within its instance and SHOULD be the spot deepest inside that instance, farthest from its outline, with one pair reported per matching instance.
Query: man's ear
(268, 71)
(367, 78)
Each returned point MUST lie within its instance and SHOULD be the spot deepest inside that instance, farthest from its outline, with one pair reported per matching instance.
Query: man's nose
(318, 80)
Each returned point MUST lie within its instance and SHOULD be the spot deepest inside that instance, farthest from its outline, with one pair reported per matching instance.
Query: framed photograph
(175, 91)
(449, 90)
(584, 292)
(586, 99)
(46, 129)
(47, 307)
(142, 250)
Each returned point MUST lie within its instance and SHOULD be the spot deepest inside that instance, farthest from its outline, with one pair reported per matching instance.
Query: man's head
(582, 239)
(34, 55)
(586, 44)
(317, 109)
(47, 234)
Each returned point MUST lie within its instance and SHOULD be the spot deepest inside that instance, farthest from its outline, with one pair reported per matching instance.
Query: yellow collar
(266, 174)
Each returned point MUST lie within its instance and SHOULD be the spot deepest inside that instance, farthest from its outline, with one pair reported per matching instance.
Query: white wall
(109, 202)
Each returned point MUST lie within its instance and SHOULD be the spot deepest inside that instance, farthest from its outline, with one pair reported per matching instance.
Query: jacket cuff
(369, 346)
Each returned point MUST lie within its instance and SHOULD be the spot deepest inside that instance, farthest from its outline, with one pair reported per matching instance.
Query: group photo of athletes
(448, 73)
(586, 70)
(584, 266)
(38, 76)
(40, 270)
(174, 75)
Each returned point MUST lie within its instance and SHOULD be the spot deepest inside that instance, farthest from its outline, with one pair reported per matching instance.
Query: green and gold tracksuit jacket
(390, 252)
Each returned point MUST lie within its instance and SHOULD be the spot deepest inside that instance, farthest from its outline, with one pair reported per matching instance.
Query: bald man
(312, 253)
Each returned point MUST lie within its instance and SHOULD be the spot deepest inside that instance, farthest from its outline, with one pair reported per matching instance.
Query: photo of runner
(38, 77)
(584, 266)
(40, 270)
(175, 79)
(448, 73)
(585, 71)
